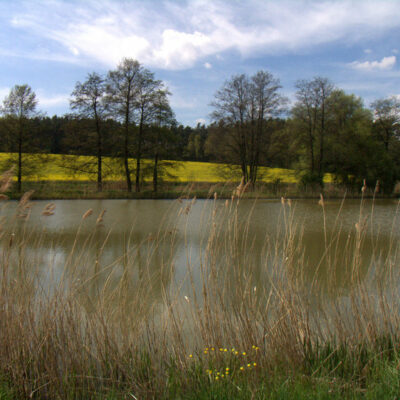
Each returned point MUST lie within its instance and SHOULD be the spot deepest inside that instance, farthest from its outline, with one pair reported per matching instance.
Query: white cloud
(53, 101)
(176, 35)
(367, 51)
(207, 65)
(384, 64)
(395, 51)
(201, 121)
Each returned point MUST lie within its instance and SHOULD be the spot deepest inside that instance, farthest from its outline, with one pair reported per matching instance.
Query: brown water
(164, 239)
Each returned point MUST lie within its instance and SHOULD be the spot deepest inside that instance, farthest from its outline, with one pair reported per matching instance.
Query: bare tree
(88, 102)
(243, 108)
(148, 92)
(266, 103)
(122, 95)
(163, 118)
(19, 107)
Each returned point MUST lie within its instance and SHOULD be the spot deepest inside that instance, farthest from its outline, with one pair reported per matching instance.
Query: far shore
(71, 190)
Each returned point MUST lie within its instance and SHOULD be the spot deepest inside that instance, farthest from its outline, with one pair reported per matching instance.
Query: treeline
(126, 114)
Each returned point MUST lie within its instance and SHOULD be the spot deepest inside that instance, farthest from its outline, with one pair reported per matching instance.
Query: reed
(227, 329)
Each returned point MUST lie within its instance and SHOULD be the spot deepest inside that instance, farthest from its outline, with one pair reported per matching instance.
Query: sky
(194, 46)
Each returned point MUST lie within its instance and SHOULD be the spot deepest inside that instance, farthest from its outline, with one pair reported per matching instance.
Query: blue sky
(195, 45)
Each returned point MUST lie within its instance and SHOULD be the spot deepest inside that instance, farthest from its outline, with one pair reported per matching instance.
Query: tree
(122, 92)
(387, 120)
(132, 93)
(350, 145)
(266, 103)
(243, 111)
(149, 105)
(88, 102)
(311, 112)
(386, 129)
(163, 119)
(18, 108)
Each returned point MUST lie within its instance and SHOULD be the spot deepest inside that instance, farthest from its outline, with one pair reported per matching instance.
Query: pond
(166, 247)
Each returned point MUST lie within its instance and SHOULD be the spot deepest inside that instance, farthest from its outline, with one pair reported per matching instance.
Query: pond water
(171, 241)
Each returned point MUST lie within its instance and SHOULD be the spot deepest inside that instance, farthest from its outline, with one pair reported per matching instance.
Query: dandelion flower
(236, 353)
(212, 349)
(248, 365)
(216, 378)
(244, 353)
(190, 355)
(221, 349)
(205, 352)
(227, 369)
(225, 350)
(242, 368)
(255, 364)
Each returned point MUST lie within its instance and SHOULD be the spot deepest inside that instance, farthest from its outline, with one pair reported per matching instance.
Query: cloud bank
(175, 35)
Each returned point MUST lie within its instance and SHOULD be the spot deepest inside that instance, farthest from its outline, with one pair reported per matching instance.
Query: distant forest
(126, 114)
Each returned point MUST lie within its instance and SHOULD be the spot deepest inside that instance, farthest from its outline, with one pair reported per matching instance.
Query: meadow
(290, 338)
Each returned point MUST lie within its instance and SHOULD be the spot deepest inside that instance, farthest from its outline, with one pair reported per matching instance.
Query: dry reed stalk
(6, 180)
(49, 209)
(87, 214)
(100, 217)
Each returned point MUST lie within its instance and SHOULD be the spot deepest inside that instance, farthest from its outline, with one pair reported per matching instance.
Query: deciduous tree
(18, 108)
(243, 110)
(88, 102)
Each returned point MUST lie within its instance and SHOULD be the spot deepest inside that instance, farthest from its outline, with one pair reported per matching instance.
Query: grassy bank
(174, 190)
(225, 334)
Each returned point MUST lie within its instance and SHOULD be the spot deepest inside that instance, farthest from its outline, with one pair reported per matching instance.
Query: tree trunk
(20, 159)
(126, 164)
(99, 157)
(155, 173)
(139, 153)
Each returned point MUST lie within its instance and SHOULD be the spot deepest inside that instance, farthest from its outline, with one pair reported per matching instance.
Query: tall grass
(225, 330)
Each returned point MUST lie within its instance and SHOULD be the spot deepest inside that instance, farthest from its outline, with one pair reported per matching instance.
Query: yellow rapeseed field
(55, 167)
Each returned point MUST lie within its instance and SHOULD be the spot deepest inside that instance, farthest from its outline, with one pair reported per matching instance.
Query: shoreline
(80, 190)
